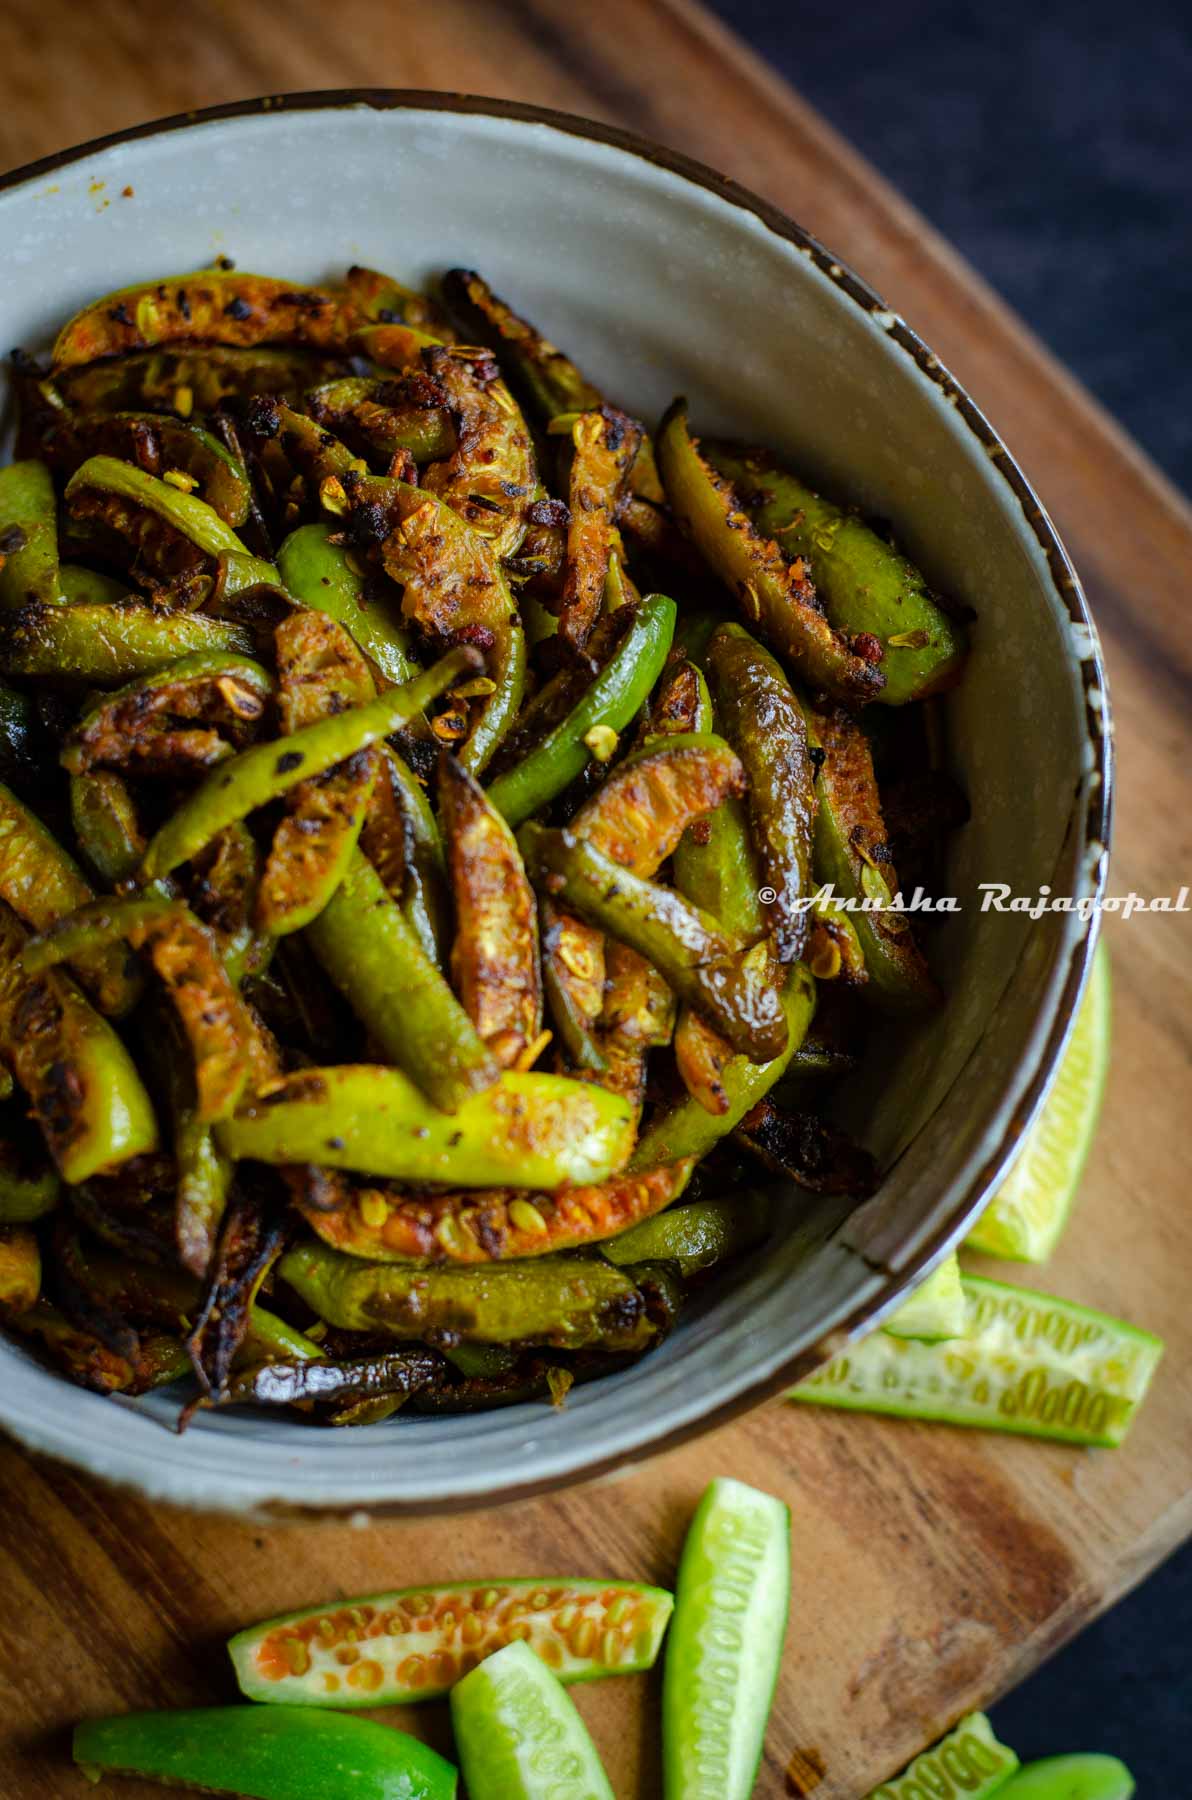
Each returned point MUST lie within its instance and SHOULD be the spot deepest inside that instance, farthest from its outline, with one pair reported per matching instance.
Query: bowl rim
(1092, 823)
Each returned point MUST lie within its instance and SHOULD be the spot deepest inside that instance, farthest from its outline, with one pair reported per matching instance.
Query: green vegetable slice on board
(1026, 1217)
(415, 1642)
(1083, 1776)
(725, 1644)
(519, 1736)
(1031, 1364)
(969, 1764)
(299, 1754)
(936, 1309)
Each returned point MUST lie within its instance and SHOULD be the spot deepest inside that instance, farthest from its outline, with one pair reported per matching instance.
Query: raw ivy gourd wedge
(415, 1642)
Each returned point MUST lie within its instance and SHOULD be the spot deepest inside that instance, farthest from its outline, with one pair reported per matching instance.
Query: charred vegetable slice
(764, 723)
(866, 585)
(42, 884)
(103, 643)
(491, 1225)
(28, 536)
(526, 1131)
(415, 1642)
(605, 443)
(321, 673)
(186, 958)
(774, 593)
(490, 478)
(805, 1148)
(495, 955)
(82, 1086)
(695, 1236)
(184, 455)
(20, 1270)
(185, 717)
(853, 853)
(210, 306)
(567, 1301)
(268, 771)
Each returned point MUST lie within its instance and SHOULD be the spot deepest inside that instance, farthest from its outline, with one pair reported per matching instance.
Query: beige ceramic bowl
(660, 278)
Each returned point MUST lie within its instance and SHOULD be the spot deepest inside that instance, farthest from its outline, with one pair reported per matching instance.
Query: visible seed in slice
(969, 1764)
(519, 1736)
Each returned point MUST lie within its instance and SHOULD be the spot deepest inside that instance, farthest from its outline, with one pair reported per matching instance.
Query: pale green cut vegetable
(969, 1764)
(936, 1309)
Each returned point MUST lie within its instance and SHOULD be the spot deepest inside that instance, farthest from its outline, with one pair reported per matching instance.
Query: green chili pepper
(82, 1086)
(162, 446)
(567, 1301)
(103, 644)
(774, 594)
(764, 723)
(266, 1752)
(866, 585)
(28, 536)
(267, 771)
(184, 513)
(852, 853)
(716, 867)
(424, 897)
(42, 884)
(238, 573)
(526, 1131)
(687, 1129)
(203, 1174)
(89, 586)
(321, 574)
(29, 1183)
(373, 955)
(611, 701)
(696, 1235)
(732, 988)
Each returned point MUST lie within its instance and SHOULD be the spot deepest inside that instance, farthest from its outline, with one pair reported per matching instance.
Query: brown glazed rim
(1093, 828)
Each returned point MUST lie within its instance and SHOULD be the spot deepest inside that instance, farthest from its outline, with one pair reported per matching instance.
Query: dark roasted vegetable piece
(188, 716)
(89, 1363)
(20, 1270)
(268, 771)
(687, 1128)
(374, 956)
(29, 1183)
(605, 443)
(401, 839)
(494, 958)
(382, 416)
(193, 380)
(250, 1242)
(103, 644)
(28, 536)
(865, 584)
(321, 673)
(490, 478)
(566, 1301)
(806, 1149)
(526, 1131)
(775, 594)
(852, 852)
(764, 723)
(390, 1224)
(158, 444)
(209, 306)
(185, 955)
(42, 884)
(573, 970)
(396, 1373)
(169, 533)
(80, 1081)
(379, 298)
(732, 988)
(610, 703)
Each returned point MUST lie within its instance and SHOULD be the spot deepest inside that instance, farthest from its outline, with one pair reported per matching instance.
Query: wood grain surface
(933, 1569)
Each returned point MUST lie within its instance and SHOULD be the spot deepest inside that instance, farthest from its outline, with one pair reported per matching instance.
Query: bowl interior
(657, 284)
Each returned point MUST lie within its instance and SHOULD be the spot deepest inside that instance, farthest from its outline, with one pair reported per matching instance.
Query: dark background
(1052, 144)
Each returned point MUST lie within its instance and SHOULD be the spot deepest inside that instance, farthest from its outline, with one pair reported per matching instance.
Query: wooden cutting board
(933, 1568)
